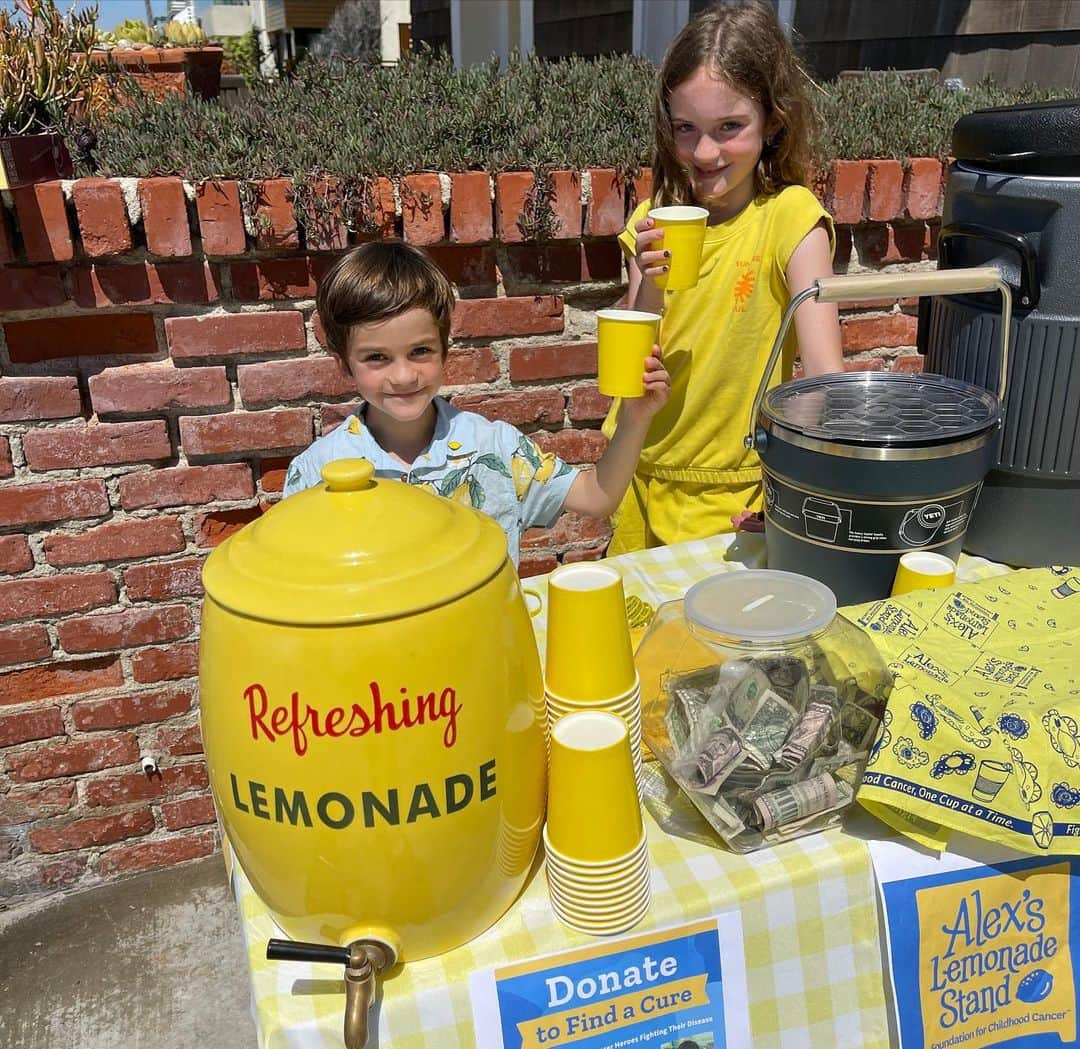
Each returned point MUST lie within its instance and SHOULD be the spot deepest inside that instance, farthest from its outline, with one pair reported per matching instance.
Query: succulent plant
(185, 34)
(46, 75)
(134, 31)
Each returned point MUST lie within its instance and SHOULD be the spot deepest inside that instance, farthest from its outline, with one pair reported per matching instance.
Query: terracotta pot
(25, 159)
(170, 70)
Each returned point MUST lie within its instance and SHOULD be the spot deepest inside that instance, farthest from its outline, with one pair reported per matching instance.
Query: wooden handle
(859, 286)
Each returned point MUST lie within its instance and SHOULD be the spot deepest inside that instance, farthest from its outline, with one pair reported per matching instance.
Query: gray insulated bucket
(860, 468)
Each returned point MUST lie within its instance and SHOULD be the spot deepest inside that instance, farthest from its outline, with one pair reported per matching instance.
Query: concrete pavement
(152, 962)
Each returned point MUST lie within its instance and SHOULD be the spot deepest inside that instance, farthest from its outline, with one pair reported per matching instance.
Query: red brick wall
(159, 365)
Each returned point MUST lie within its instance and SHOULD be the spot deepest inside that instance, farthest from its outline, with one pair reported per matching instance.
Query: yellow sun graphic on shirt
(744, 286)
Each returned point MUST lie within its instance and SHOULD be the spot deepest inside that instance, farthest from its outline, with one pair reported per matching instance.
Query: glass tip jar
(762, 703)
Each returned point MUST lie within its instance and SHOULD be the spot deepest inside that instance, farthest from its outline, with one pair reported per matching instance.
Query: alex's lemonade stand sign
(657, 990)
(983, 955)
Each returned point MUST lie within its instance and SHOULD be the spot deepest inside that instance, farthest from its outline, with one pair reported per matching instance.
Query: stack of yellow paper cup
(590, 661)
(684, 237)
(624, 340)
(597, 852)
(923, 570)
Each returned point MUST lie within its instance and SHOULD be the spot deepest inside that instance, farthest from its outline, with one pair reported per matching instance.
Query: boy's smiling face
(397, 365)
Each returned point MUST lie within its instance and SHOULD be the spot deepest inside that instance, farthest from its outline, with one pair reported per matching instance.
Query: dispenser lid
(875, 408)
(1032, 138)
(760, 606)
(354, 548)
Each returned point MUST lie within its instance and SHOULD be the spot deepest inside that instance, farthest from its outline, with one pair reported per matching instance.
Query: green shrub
(352, 121)
(889, 115)
(246, 54)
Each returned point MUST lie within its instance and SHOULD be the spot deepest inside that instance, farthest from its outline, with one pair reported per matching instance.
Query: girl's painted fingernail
(664, 269)
(667, 254)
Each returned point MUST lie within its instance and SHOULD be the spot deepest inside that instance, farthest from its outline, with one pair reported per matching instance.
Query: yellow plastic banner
(982, 730)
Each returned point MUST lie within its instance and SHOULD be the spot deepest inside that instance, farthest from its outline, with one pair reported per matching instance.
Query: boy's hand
(649, 248)
(657, 390)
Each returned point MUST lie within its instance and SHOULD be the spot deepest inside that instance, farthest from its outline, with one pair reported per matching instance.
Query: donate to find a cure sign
(657, 990)
(986, 955)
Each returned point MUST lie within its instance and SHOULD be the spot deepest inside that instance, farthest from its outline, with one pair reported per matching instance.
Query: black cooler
(1013, 201)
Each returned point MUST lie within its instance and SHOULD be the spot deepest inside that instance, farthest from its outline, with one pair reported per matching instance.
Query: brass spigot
(367, 959)
(363, 960)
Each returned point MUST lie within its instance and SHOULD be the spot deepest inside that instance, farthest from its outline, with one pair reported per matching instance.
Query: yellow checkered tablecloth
(808, 908)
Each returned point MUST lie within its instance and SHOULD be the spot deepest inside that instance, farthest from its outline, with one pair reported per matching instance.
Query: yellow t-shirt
(694, 473)
(716, 338)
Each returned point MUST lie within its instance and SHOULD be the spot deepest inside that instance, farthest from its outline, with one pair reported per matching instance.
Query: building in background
(1013, 41)
(287, 28)
(181, 11)
(474, 30)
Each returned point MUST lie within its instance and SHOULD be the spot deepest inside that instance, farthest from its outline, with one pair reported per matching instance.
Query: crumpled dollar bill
(766, 749)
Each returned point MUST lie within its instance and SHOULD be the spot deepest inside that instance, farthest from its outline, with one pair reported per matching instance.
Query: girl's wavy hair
(743, 44)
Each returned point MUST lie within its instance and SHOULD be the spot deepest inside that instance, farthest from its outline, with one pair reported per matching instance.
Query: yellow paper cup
(610, 874)
(624, 339)
(588, 656)
(626, 701)
(923, 570)
(596, 907)
(607, 926)
(684, 235)
(593, 809)
(576, 884)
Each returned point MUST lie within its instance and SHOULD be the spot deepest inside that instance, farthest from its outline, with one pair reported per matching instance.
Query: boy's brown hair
(379, 280)
(744, 45)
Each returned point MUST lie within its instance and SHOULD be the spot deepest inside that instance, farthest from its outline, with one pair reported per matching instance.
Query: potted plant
(176, 58)
(47, 83)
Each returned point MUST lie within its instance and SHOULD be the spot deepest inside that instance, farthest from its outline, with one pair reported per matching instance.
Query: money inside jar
(764, 747)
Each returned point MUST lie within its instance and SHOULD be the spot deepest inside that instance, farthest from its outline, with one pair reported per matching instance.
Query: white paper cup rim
(631, 316)
(586, 730)
(679, 213)
(926, 562)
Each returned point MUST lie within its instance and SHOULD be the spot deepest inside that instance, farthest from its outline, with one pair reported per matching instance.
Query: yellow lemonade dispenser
(372, 714)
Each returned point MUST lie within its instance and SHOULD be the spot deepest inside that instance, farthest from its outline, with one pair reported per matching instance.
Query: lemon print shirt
(716, 339)
(487, 465)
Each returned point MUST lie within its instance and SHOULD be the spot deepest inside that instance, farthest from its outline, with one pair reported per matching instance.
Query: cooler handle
(861, 286)
(1029, 288)
(858, 287)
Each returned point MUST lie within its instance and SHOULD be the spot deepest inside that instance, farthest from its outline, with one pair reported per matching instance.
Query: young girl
(732, 125)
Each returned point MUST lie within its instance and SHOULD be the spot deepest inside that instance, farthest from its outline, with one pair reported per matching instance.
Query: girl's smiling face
(719, 134)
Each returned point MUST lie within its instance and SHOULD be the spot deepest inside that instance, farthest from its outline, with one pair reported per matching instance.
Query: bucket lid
(1033, 138)
(354, 548)
(875, 408)
(760, 606)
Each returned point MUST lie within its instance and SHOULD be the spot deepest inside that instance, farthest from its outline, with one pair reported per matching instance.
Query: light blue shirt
(491, 466)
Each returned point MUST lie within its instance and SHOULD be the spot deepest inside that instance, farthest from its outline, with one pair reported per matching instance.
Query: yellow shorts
(655, 512)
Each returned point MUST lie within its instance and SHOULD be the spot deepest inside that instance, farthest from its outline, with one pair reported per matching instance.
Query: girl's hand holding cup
(657, 385)
(683, 228)
(649, 251)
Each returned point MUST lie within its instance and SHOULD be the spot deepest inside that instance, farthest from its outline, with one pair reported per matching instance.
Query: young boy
(385, 307)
